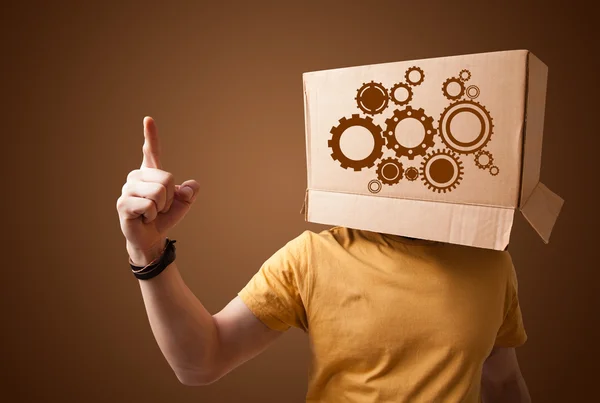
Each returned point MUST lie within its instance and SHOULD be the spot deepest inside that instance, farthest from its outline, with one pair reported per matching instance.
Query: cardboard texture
(443, 149)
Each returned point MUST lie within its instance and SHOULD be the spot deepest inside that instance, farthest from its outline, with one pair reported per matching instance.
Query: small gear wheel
(390, 171)
(442, 171)
(374, 186)
(453, 88)
(414, 75)
(372, 98)
(403, 137)
(478, 139)
(337, 132)
(401, 94)
(484, 159)
(464, 75)
(411, 173)
(494, 170)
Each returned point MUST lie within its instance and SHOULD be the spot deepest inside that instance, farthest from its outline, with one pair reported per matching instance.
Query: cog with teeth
(442, 171)
(461, 88)
(414, 81)
(464, 75)
(337, 132)
(392, 136)
(451, 139)
(407, 98)
(484, 159)
(372, 98)
(390, 171)
(411, 173)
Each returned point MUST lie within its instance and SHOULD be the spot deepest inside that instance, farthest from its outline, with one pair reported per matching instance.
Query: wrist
(143, 257)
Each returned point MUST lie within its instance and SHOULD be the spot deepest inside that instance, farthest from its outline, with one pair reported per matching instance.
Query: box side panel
(470, 225)
(534, 126)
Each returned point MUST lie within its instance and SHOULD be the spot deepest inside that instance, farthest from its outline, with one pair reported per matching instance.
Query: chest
(384, 315)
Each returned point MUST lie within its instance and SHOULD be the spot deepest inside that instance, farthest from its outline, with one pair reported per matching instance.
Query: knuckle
(169, 178)
(133, 175)
(150, 207)
(120, 201)
(161, 192)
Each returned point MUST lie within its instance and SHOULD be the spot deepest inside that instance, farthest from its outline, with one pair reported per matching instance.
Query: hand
(150, 203)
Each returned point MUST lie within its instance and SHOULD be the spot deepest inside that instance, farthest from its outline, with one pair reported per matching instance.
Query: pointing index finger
(151, 147)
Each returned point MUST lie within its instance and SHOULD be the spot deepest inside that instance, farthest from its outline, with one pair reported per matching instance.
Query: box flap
(542, 209)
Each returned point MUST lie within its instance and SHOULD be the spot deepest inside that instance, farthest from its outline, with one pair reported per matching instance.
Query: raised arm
(199, 347)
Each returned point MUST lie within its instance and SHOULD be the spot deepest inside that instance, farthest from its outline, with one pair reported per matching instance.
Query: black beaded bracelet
(156, 267)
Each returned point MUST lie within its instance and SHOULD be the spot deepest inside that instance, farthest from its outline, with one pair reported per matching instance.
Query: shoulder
(313, 242)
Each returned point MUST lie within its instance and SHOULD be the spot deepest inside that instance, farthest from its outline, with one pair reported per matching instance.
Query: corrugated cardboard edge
(542, 209)
(471, 225)
(304, 209)
(538, 204)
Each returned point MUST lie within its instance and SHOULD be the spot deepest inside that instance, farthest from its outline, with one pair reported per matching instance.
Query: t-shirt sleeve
(512, 331)
(276, 293)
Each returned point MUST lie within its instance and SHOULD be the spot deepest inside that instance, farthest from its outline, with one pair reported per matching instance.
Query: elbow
(193, 378)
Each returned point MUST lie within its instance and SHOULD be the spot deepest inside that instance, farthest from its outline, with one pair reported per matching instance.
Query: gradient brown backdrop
(223, 81)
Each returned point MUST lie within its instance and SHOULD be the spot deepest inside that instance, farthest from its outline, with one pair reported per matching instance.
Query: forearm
(183, 328)
(510, 391)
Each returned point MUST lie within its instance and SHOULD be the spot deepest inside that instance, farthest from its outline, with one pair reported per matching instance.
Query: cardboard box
(443, 149)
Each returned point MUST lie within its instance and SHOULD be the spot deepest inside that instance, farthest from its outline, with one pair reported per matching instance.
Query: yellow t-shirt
(390, 319)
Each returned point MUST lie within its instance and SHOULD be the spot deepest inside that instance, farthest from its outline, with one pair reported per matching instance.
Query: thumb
(185, 194)
(187, 191)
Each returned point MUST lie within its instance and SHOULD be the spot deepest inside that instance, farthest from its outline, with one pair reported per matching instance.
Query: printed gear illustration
(408, 98)
(445, 88)
(472, 91)
(334, 142)
(468, 106)
(377, 186)
(372, 98)
(442, 171)
(494, 170)
(410, 70)
(390, 171)
(478, 157)
(411, 173)
(428, 130)
(464, 75)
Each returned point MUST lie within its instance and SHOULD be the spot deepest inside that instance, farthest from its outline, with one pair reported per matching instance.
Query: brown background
(224, 83)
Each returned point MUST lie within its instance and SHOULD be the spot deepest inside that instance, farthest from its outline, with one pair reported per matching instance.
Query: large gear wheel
(414, 75)
(399, 97)
(338, 131)
(390, 171)
(400, 141)
(372, 98)
(484, 159)
(450, 136)
(442, 171)
(453, 92)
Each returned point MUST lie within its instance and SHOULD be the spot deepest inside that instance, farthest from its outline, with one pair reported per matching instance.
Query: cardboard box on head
(444, 149)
